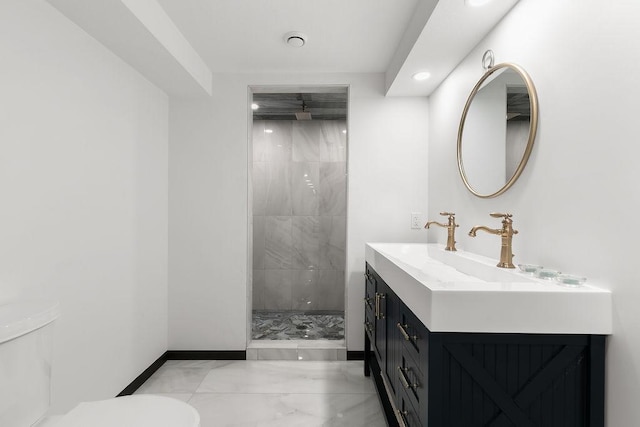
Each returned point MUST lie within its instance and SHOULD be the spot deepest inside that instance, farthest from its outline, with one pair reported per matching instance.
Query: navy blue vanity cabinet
(452, 379)
(381, 338)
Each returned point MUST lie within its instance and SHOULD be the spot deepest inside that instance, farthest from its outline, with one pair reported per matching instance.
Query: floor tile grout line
(203, 378)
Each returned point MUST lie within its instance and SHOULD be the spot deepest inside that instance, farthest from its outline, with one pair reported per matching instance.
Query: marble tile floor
(271, 393)
(294, 325)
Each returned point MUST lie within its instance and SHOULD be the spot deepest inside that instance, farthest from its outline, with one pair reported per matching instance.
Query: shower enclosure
(299, 215)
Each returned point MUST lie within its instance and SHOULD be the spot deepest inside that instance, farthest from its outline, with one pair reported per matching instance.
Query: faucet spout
(430, 223)
(477, 228)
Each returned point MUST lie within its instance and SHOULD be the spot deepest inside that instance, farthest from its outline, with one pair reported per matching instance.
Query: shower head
(303, 115)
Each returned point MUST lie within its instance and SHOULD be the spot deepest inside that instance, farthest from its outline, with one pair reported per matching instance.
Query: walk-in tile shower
(299, 218)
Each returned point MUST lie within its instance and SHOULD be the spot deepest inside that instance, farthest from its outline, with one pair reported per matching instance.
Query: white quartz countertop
(464, 292)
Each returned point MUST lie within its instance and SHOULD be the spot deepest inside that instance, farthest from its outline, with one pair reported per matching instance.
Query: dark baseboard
(355, 355)
(199, 355)
(206, 355)
(140, 379)
(180, 355)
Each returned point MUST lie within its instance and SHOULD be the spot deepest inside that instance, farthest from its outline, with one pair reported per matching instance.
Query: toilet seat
(132, 411)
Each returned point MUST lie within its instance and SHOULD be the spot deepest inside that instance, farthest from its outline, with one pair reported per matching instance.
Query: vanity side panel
(512, 379)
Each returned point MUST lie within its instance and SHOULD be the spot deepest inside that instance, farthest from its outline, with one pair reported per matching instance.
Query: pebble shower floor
(296, 325)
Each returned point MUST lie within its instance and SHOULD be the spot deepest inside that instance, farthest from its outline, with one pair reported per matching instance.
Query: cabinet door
(369, 303)
(392, 303)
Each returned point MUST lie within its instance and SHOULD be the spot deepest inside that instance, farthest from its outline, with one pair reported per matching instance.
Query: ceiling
(247, 35)
(180, 44)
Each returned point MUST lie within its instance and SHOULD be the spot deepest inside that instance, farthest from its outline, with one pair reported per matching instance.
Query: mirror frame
(533, 126)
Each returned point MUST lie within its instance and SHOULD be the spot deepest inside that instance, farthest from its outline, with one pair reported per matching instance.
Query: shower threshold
(297, 325)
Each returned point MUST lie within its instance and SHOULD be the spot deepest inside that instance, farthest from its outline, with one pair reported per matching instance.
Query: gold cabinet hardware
(401, 417)
(376, 307)
(367, 326)
(405, 334)
(378, 312)
(405, 380)
(392, 400)
(403, 331)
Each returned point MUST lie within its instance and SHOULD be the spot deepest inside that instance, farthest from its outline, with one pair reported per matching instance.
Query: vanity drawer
(414, 337)
(413, 384)
(369, 322)
(407, 412)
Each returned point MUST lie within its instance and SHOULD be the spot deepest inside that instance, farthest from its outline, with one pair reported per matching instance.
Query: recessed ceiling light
(476, 3)
(421, 75)
(254, 106)
(295, 39)
(268, 131)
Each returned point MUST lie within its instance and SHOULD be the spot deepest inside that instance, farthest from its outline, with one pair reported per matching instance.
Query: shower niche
(299, 207)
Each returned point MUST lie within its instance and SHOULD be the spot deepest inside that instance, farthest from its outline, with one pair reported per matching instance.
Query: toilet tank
(26, 338)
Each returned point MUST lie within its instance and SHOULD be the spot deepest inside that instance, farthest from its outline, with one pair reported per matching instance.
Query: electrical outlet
(416, 220)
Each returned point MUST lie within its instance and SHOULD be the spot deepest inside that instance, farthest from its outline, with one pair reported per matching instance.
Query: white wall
(574, 205)
(208, 208)
(83, 184)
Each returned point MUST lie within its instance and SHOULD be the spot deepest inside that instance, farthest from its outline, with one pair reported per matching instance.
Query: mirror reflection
(496, 131)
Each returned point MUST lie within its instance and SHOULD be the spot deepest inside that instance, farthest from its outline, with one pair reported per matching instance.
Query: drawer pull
(401, 418)
(404, 380)
(405, 334)
(378, 311)
(403, 331)
(367, 326)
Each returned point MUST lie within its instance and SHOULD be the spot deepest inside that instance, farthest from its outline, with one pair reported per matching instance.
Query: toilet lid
(132, 411)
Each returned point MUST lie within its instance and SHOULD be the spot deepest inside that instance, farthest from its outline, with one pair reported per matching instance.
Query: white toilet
(25, 376)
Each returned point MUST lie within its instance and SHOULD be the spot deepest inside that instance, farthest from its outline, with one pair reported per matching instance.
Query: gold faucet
(507, 232)
(451, 229)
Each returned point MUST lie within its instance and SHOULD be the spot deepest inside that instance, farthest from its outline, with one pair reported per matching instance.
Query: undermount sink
(453, 266)
(464, 292)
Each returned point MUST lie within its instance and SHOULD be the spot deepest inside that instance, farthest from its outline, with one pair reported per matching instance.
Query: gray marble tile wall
(299, 215)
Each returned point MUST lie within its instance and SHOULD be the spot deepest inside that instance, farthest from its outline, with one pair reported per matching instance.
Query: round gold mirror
(497, 130)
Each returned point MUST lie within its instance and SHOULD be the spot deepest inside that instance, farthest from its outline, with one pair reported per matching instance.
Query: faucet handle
(452, 218)
(500, 215)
